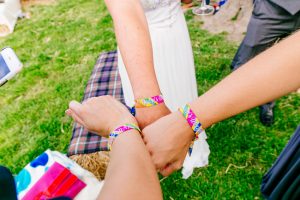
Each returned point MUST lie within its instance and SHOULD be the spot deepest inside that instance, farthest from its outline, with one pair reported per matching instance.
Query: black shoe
(266, 114)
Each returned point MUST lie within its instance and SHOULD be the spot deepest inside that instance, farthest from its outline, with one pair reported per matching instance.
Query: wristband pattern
(118, 131)
(193, 122)
(149, 102)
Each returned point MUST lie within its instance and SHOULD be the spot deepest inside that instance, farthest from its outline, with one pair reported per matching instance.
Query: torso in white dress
(173, 59)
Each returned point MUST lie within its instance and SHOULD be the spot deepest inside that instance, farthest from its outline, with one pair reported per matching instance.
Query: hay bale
(96, 163)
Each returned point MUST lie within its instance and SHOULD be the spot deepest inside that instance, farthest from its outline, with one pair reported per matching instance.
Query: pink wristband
(118, 131)
(149, 102)
(193, 122)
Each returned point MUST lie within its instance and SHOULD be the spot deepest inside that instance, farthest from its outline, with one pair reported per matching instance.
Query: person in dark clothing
(7, 185)
(271, 21)
(282, 181)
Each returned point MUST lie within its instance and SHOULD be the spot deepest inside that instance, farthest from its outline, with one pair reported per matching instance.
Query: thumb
(76, 107)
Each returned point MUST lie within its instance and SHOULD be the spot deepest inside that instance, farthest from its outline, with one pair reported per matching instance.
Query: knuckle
(108, 97)
(158, 165)
(177, 166)
(163, 173)
(91, 99)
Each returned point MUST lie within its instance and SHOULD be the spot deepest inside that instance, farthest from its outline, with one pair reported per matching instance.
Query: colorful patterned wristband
(193, 121)
(118, 131)
(149, 102)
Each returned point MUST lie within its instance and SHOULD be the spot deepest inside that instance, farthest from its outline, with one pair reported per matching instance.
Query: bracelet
(193, 122)
(118, 131)
(149, 102)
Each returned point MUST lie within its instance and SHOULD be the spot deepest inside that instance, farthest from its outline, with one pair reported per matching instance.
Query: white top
(153, 4)
(161, 13)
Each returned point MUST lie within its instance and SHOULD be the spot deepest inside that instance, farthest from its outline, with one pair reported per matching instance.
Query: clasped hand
(167, 139)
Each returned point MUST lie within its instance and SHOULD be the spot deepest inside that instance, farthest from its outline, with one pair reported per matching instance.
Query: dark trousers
(269, 23)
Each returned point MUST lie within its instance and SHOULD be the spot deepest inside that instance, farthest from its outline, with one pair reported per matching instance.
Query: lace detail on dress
(152, 4)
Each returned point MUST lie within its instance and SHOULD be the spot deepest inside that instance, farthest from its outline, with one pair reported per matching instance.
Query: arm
(135, 46)
(268, 76)
(131, 173)
(130, 165)
(272, 74)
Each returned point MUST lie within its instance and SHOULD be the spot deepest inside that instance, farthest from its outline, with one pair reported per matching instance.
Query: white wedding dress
(174, 66)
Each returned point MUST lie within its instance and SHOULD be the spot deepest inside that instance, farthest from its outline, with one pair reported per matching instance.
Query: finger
(68, 112)
(76, 107)
(75, 117)
(158, 163)
(168, 170)
(145, 139)
(162, 169)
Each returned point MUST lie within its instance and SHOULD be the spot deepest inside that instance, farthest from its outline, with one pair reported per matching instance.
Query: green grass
(59, 46)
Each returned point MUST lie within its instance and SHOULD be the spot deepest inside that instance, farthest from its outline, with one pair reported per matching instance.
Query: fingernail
(68, 112)
(74, 104)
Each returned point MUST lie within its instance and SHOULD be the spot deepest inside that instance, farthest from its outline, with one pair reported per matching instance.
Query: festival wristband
(149, 102)
(193, 122)
(121, 129)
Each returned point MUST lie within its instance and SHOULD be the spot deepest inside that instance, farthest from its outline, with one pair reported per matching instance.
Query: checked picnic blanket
(104, 80)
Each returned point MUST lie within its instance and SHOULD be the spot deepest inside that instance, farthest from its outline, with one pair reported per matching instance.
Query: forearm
(135, 45)
(268, 76)
(130, 174)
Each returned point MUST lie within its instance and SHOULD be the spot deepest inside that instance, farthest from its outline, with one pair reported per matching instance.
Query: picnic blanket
(104, 80)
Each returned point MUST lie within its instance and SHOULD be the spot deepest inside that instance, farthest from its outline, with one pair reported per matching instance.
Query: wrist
(158, 107)
(124, 120)
(120, 131)
(149, 101)
(183, 124)
(193, 123)
(203, 112)
(131, 136)
(145, 92)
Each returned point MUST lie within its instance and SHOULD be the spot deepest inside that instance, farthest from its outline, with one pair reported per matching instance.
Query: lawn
(59, 46)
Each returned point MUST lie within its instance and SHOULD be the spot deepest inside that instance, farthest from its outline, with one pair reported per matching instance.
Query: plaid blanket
(104, 80)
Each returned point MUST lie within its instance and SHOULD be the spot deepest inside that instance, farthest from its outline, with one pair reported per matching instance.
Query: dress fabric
(172, 53)
(173, 64)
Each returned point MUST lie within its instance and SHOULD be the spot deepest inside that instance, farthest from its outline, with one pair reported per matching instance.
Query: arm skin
(135, 46)
(131, 173)
(270, 75)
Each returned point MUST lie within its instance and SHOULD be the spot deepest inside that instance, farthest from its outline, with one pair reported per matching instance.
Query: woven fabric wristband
(120, 130)
(193, 122)
(149, 102)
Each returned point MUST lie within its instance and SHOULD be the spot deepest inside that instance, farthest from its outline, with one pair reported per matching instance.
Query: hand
(100, 115)
(168, 140)
(146, 116)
